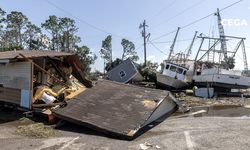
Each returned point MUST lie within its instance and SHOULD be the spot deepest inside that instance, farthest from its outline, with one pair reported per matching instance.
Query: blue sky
(121, 18)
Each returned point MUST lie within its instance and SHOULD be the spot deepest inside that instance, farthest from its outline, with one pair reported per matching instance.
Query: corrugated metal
(31, 54)
(115, 108)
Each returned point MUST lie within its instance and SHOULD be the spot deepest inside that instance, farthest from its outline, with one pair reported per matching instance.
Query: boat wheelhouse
(173, 76)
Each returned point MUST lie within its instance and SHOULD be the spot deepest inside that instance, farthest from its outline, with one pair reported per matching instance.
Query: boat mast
(190, 48)
(222, 35)
(173, 44)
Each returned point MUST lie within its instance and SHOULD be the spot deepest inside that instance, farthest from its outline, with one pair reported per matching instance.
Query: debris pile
(57, 85)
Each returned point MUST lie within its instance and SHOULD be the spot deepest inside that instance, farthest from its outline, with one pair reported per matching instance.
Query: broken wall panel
(16, 75)
(10, 95)
(16, 80)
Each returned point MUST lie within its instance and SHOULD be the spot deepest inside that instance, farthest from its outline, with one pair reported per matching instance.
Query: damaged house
(55, 82)
(26, 77)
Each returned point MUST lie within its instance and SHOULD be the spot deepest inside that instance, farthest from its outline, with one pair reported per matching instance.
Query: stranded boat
(222, 79)
(174, 71)
(173, 76)
(214, 67)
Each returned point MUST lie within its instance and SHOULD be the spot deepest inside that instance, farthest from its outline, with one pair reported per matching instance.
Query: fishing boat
(222, 79)
(212, 67)
(173, 76)
(174, 70)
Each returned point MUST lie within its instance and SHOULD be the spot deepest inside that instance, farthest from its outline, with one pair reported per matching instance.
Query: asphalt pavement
(188, 133)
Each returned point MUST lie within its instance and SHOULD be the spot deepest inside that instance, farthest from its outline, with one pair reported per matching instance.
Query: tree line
(17, 32)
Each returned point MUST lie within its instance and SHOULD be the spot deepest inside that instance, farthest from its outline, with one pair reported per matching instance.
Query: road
(190, 133)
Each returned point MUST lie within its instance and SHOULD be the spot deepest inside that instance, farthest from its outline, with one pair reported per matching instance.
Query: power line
(198, 20)
(231, 5)
(180, 13)
(157, 48)
(166, 34)
(172, 41)
(81, 20)
(159, 12)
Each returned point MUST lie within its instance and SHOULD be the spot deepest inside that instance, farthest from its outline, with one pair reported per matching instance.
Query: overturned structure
(125, 72)
(117, 109)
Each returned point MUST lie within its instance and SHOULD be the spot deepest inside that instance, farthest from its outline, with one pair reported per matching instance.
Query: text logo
(234, 22)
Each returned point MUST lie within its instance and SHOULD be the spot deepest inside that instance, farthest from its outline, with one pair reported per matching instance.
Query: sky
(97, 19)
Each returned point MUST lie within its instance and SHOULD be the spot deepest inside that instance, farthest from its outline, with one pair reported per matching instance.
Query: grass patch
(38, 130)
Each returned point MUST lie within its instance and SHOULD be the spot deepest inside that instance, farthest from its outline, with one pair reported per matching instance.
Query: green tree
(148, 71)
(67, 30)
(112, 65)
(16, 22)
(106, 50)
(2, 22)
(31, 36)
(129, 50)
(52, 25)
(229, 63)
(2, 19)
(86, 57)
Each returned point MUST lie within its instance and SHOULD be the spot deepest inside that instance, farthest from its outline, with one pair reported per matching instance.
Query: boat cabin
(174, 71)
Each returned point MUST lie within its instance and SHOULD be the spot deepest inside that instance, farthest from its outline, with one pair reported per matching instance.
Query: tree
(148, 71)
(63, 33)
(52, 25)
(106, 50)
(86, 57)
(67, 30)
(16, 22)
(129, 50)
(229, 63)
(112, 65)
(31, 36)
(2, 19)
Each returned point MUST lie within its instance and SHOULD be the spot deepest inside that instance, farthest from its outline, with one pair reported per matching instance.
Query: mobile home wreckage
(55, 82)
(125, 72)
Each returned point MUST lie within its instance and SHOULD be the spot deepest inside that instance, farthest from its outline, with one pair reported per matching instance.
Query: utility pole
(145, 37)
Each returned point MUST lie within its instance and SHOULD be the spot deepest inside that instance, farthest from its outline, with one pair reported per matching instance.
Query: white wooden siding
(16, 75)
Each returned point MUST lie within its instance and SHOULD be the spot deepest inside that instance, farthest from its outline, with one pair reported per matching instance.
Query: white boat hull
(170, 82)
(223, 81)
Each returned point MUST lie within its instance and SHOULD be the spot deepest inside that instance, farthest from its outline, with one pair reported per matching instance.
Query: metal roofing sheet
(113, 107)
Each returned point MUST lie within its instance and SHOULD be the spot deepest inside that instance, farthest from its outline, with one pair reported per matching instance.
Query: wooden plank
(74, 94)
